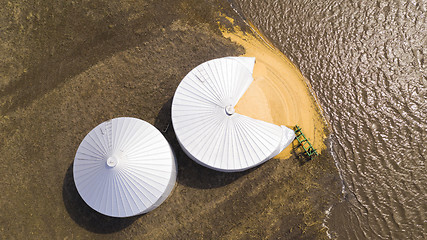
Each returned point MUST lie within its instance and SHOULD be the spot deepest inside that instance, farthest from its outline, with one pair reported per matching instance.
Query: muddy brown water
(365, 61)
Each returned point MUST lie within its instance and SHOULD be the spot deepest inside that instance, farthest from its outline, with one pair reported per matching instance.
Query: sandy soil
(73, 64)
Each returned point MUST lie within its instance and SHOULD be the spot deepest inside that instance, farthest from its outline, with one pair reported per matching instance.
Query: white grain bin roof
(124, 167)
(207, 127)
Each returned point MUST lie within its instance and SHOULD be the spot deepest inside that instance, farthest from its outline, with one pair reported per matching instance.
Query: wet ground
(68, 66)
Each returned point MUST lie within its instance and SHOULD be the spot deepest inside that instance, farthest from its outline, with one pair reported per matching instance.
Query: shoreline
(275, 76)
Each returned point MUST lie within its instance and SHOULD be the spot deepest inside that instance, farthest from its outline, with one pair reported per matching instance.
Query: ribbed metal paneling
(124, 167)
(209, 130)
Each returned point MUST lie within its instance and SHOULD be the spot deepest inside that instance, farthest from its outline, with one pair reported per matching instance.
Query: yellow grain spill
(279, 93)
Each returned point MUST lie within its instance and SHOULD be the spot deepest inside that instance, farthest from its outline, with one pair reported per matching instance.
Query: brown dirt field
(67, 66)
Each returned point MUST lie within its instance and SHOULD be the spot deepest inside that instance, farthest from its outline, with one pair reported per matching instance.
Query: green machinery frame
(303, 141)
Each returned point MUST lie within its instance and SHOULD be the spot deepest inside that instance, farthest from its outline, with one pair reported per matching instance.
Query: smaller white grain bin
(124, 167)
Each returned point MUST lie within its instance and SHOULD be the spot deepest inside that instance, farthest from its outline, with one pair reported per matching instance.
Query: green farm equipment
(303, 141)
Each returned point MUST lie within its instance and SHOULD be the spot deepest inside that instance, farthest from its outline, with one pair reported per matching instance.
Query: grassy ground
(66, 66)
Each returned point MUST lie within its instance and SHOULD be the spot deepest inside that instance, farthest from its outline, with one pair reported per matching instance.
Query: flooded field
(67, 66)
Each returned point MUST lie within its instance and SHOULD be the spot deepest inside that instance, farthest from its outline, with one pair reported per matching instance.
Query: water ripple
(365, 61)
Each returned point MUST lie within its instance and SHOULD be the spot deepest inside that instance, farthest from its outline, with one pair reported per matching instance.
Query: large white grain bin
(207, 126)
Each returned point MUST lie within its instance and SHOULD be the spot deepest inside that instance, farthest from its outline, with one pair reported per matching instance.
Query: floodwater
(365, 61)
